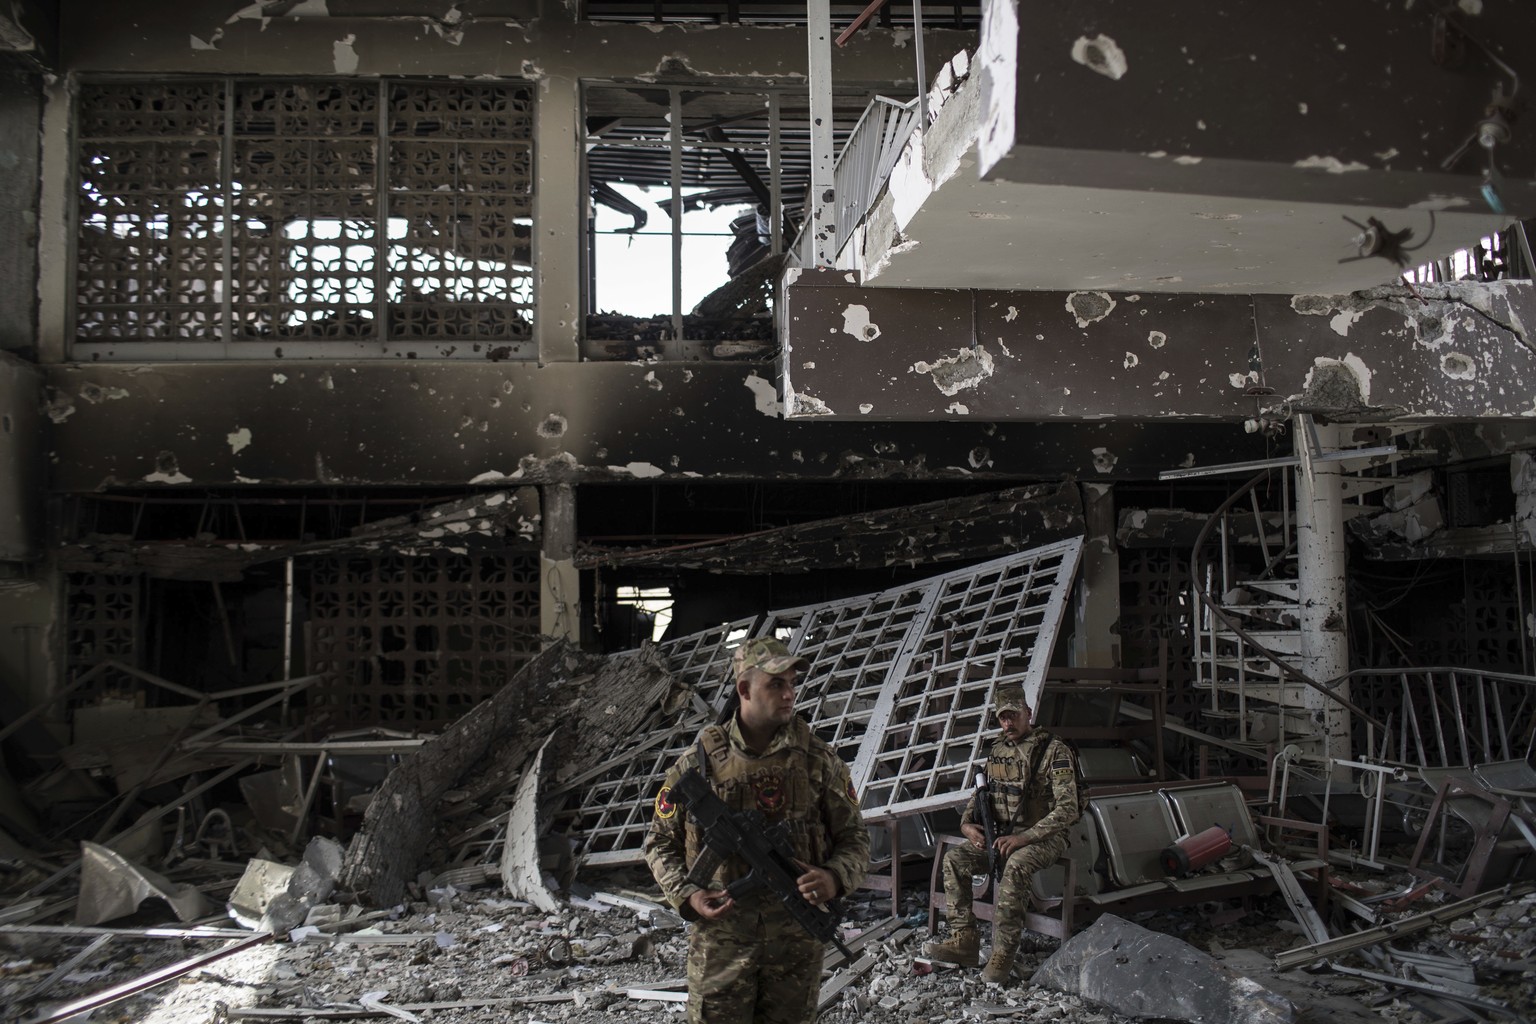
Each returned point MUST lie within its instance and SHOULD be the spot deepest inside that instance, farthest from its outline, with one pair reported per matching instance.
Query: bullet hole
(1100, 54)
(1458, 366)
(1089, 307)
(506, 387)
(979, 457)
(5, 423)
(498, 353)
(1157, 339)
(554, 425)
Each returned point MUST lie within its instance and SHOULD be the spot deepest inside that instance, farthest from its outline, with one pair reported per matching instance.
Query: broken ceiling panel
(952, 530)
(495, 521)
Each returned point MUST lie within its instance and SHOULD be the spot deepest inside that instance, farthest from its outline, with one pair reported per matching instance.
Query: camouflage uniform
(756, 963)
(1039, 807)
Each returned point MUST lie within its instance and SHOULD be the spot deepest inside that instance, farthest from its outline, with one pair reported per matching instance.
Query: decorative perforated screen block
(991, 624)
(612, 813)
(260, 210)
(424, 638)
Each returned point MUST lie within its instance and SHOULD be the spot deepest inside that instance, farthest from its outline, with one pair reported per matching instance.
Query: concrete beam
(1237, 149)
(1304, 101)
(228, 37)
(1461, 351)
(402, 421)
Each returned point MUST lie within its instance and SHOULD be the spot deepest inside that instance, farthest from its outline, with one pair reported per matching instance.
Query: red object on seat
(1194, 852)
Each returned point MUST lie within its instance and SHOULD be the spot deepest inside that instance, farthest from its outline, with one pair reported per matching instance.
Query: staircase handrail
(1286, 669)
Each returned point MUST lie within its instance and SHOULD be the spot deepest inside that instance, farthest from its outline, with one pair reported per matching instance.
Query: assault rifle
(984, 805)
(767, 851)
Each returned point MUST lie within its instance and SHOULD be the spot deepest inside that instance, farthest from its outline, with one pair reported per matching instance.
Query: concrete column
(820, 204)
(55, 224)
(1320, 559)
(559, 583)
(1096, 608)
(559, 220)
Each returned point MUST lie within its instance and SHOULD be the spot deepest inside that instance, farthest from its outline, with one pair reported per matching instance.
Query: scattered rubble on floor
(453, 955)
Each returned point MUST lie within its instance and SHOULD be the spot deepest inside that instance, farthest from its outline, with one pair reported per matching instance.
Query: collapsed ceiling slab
(1463, 350)
(502, 520)
(953, 530)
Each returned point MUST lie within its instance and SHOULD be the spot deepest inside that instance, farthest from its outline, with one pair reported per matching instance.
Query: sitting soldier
(1032, 787)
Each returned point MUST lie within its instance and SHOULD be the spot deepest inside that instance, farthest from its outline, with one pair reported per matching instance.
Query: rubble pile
(463, 955)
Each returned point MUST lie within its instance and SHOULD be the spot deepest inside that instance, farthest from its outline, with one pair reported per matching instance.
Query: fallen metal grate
(899, 682)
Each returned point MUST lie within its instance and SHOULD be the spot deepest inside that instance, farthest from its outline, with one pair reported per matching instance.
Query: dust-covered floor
(478, 956)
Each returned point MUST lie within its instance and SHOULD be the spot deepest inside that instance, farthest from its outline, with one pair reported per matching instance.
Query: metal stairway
(1248, 648)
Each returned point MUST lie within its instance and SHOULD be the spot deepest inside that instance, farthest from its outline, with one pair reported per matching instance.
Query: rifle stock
(766, 849)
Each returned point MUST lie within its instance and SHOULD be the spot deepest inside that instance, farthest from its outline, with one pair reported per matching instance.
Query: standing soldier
(1032, 788)
(748, 961)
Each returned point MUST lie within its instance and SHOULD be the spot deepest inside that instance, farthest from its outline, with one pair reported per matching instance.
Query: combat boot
(1000, 964)
(963, 947)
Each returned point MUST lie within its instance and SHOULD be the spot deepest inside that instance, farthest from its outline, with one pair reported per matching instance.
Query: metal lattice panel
(419, 639)
(854, 648)
(989, 625)
(612, 812)
(898, 682)
(256, 209)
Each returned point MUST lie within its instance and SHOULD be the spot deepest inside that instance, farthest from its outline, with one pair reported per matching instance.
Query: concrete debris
(276, 898)
(111, 886)
(521, 871)
(1142, 974)
(580, 704)
(453, 956)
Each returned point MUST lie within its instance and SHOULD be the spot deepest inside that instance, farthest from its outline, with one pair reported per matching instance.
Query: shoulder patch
(665, 808)
(1061, 764)
(853, 797)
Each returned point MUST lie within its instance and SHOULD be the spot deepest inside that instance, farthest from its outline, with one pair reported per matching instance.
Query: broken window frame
(389, 275)
(678, 345)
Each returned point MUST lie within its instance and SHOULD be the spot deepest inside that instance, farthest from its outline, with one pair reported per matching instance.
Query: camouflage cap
(768, 654)
(1009, 698)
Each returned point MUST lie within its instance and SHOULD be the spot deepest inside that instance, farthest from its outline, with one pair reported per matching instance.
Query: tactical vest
(1017, 804)
(781, 786)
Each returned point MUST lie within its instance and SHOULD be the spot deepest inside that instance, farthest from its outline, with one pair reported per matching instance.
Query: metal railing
(1443, 717)
(863, 165)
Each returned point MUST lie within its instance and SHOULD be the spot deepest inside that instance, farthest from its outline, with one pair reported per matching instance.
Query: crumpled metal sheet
(111, 886)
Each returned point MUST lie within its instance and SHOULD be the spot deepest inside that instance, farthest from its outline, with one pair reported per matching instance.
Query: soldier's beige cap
(1009, 698)
(768, 654)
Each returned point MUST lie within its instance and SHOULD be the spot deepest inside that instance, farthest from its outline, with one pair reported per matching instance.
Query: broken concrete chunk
(263, 882)
(278, 898)
(521, 871)
(1141, 973)
(111, 886)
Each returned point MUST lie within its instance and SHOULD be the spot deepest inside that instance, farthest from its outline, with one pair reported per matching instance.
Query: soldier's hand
(818, 885)
(711, 903)
(976, 834)
(1006, 845)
